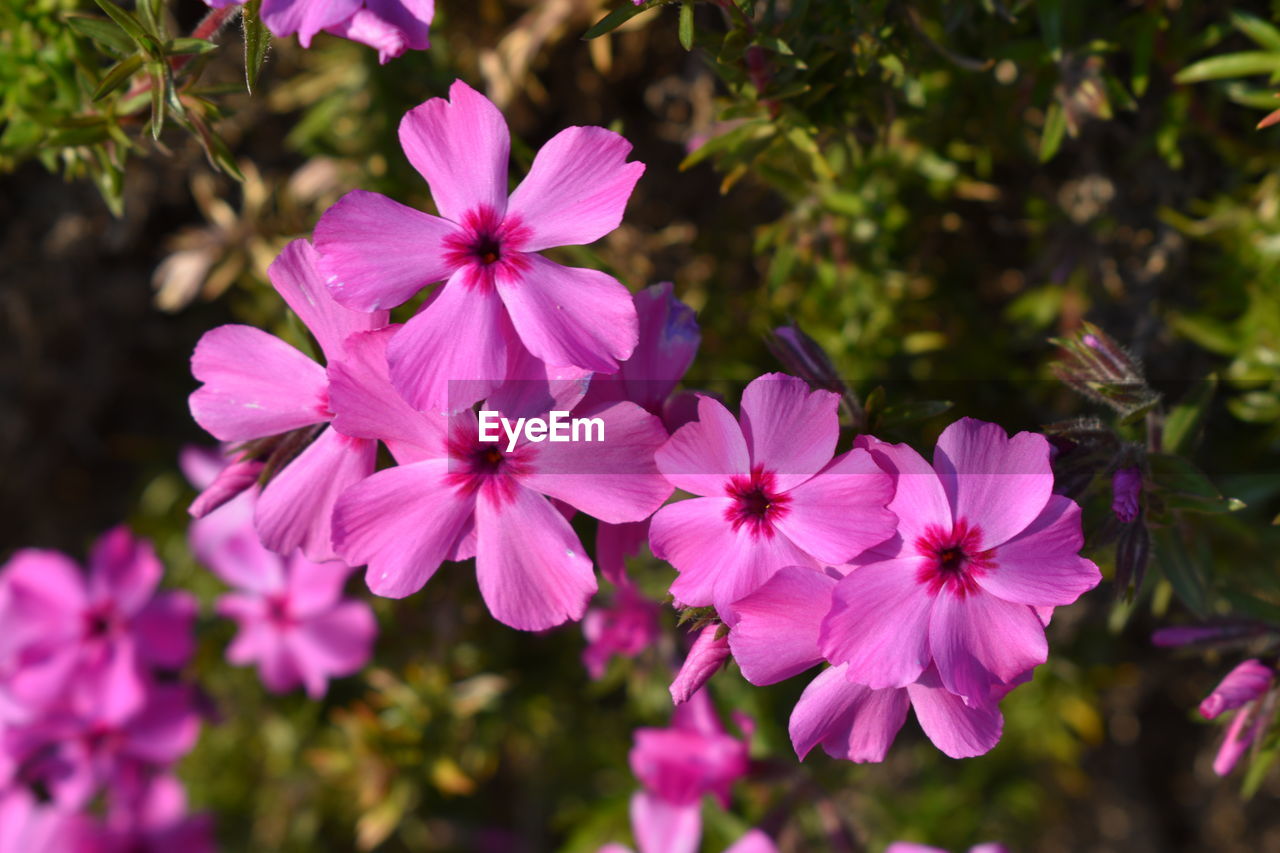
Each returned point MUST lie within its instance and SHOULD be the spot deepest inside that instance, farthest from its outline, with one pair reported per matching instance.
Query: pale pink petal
(365, 405)
(879, 624)
(255, 385)
(775, 629)
(112, 687)
(615, 480)
(754, 841)
(437, 369)
(956, 728)
(1041, 566)
(660, 827)
(707, 654)
(296, 277)
(852, 722)
(313, 588)
(570, 317)
(236, 554)
(702, 456)
(576, 190)
(978, 640)
(401, 522)
(1246, 682)
(335, 643)
(841, 511)
(912, 847)
(123, 571)
(1238, 738)
(998, 483)
(532, 571)
(411, 17)
(375, 253)
(296, 508)
(461, 147)
(368, 28)
(791, 430)
(919, 500)
(616, 542)
(165, 629)
(304, 17)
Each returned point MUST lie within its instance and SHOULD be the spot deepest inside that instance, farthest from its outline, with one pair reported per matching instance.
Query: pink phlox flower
(389, 26)
(88, 641)
(707, 654)
(482, 499)
(148, 814)
(484, 245)
(256, 386)
(625, 628)
(983, 549)
(774, 635)
(769, 493)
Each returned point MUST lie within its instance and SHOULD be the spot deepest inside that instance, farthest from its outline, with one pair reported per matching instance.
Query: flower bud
(706, 656)
(1126, 486)
(1243, 684)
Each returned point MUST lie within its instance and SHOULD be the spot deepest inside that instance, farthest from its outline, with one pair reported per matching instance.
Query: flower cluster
(92, 714)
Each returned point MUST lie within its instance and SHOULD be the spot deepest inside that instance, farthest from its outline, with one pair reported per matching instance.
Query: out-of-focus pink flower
(1126, 486)
(707, 654)
(148, 814)
(912, 847)
(625, 628)
(256, 386)
(27, 826)
(769, 493)
(484, 500)
(1245, 728)
(88, 641)
(377, 253)
(389, 26)
(1249, 680)
(982, 544)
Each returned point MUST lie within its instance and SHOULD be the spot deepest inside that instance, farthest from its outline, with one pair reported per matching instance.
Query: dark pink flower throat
(757, 502)
(954, 560)
(489, 245)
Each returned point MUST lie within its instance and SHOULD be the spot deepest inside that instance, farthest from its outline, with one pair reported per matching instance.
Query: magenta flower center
(278, 611)
(487, 247)
(953, 558)
(101, 621)
(757, 502)
(482, 466)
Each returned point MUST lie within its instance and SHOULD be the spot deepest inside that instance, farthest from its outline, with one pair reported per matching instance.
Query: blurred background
(931, 190)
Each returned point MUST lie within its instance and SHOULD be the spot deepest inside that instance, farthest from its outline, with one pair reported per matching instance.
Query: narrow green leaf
(117, 76)
(1258, 768)
(188, 46)
(72, 136)
(157, 102)
(1181, 485)
(615, 19)
(1050, 13)
(1230, 65)
(151, 15)
(256, 42)
(1143, 47)
(125, 19)
(1262, 33)
(1055, 128)
(686, 24)
(1185, 576)
(896, 416)
(1182, 426)
(103, 31)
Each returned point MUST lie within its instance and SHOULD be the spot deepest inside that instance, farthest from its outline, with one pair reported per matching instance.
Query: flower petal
(461, 146)
(165, 629)
(660, 827)
(959, 730)
(296, 277)
(295, 510)
(919, 500)
(774, 633)
(753, 841)
(879, 624)
(376, 253)
(791, 430)
(616, 542)
(532, 571)
(841, 511)
(335, 643)
(570, 317)
(313, 588)
(123, 571)
(305, 17)
(979, 640)
(1042, 566)
(702, 456)
(576, 189)
(851, 721)
(998, 483)
(402, 522)
(615, 480)
(532, 387)
(255, 385)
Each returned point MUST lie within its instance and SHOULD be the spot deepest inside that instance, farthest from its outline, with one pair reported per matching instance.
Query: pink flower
(982, 544)
(770, 494)
(377, 253)
(1126, 486)
(27, 826)
(626, 628)
(148, 815)
(1249, 680)
(390, 26)
(912, 847)
(708, 653)
(774, 636)
(483, 500)
(256, 386)
(88, 642)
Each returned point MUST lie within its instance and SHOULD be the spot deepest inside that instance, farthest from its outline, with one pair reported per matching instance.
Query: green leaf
(72, 136)
(102, 31)
(188, 46)
(127, 21)
(1055, 127)
(1262, 33)
(256, 42)
(151, 14)
(1181, 485)
(895, 416)
(1182, 426)
(1230, 65)
(615, 19)
(157, 101)
(118, 75)
(686, 24)
(1143, 46)
(1050, 14)
(1258, 767)
(1184, 575)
